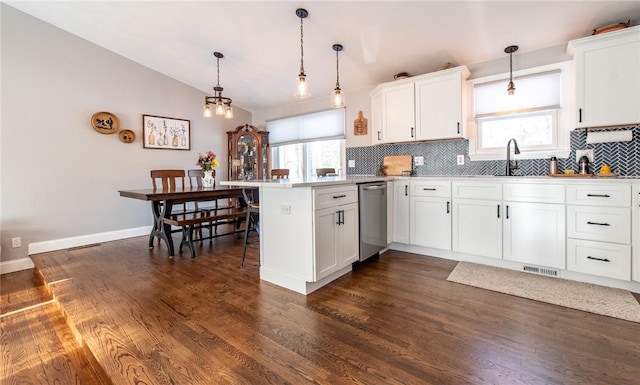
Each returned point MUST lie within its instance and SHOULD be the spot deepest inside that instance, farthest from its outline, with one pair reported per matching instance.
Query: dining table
(164, 200)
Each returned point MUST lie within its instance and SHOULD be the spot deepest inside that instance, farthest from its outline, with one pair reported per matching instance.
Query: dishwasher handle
(374, 187)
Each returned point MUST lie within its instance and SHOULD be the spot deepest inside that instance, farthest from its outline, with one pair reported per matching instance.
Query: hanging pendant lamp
(337, 96)
(302, 90)
(219, 103)
(511, 88)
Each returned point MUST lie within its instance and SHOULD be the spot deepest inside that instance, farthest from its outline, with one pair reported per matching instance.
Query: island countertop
(307, 182)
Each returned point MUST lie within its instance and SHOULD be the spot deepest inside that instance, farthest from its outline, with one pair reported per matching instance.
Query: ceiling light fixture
(222, 104)
(302, 90)
(511, 88)
(337, 97)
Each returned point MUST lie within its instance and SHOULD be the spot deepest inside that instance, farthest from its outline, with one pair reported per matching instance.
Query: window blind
(323, 125)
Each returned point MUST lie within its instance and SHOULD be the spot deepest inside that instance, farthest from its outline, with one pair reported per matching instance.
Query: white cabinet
(635, 236)
(477, 218)
(335, 229)
(534, 225)
(430, 218)
(440, 104)
(401, 211)
(398, 113)
(607, 78)
(599, 229)
(376, 117)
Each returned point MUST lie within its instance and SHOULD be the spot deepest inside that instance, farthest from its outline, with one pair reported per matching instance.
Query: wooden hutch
(248, 153)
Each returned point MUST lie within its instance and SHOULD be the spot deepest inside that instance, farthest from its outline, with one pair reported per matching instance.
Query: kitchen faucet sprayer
(516, 151)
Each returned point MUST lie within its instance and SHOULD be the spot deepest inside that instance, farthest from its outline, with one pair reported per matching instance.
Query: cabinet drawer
(426, 188)
(610, 224)
(334, 196)
(477, 190)
(599, 194)
(599, 258)
(532, 192)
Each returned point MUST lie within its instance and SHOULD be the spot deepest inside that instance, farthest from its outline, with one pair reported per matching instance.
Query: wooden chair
(279, 173)
(169, 178)
(204, 207)
(253, 219)
(325, 171)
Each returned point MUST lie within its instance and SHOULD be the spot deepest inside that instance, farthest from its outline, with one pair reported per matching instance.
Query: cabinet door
(376, 118)
(326, 238)
(347, 238)
(534, 233)
(398, 113)
(477, 227)
(430, 222)
(439, 108)
(401, 212)
(605, 71)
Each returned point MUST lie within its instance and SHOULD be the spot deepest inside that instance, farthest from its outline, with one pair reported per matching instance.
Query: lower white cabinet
(534, 233)
(477, 227)
(401, 211)
(599, 258)
(430, 218)
(335, 229)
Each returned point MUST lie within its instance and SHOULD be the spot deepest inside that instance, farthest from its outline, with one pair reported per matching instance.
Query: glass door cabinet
(248, 150)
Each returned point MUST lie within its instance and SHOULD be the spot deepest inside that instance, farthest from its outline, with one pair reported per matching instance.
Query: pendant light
(221, 104)
(511, 88)
(302, 90)
(337, 96)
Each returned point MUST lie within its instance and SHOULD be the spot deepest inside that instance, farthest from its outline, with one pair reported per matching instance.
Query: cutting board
(395, 165)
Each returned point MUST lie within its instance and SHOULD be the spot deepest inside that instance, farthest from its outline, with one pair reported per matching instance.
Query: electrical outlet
(351, 163)
(285, 209)
(460, 160)
(418, 160)
(16, 242)
(588, 153)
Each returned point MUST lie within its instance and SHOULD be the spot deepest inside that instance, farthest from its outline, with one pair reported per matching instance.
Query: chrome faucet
(516, 151)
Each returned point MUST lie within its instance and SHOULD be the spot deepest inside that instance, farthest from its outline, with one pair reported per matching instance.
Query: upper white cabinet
(607, 78)
(440, 104)
(425, 107)
(398, 124)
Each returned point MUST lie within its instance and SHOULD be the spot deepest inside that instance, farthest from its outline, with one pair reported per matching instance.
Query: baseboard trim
(16, 265)
(83, 240)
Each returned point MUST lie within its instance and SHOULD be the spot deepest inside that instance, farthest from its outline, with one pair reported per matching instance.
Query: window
(306, 142)
(537, 115)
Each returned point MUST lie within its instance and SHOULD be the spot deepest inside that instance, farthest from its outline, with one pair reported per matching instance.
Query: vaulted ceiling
(260, 40)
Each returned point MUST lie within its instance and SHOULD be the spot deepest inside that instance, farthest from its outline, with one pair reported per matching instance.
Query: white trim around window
(563, 116)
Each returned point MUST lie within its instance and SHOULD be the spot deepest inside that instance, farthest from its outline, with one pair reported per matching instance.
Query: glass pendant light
(302, 89)
(337, 96)
(511, 88)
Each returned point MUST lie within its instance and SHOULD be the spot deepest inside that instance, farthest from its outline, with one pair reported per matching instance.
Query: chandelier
(221, 104)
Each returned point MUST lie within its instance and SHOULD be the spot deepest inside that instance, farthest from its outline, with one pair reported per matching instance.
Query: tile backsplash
(440, 157)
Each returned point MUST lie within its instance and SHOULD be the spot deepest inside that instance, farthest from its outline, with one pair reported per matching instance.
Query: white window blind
(533, 93)
(323, 125)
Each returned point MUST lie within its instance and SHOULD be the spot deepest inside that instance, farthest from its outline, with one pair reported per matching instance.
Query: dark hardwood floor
(147, 319)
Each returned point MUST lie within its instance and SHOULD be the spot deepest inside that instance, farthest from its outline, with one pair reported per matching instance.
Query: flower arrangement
(208, 161)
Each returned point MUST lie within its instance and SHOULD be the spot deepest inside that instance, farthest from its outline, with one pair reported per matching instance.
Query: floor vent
(540, 270)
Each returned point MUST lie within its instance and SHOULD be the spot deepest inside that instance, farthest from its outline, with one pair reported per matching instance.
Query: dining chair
(204, 207)
(325, 171)
(251, 198)
(279, 173)
(168, 180)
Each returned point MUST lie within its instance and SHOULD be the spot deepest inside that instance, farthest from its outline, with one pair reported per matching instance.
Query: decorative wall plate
(127, 136)
(105, 122)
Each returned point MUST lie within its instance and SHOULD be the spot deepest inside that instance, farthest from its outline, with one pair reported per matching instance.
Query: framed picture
(166, 133)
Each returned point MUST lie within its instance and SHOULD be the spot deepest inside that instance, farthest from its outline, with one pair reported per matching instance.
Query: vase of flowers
(208, 162)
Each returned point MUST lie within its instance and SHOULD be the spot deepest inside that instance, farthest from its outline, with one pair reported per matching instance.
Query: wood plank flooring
(147, 319)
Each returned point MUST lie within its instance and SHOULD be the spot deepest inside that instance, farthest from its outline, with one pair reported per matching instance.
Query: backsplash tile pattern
(440, 157)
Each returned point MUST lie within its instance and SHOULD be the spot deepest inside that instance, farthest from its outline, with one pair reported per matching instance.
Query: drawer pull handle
(448, 208)
(598, 223)
(406, 190)
(429, 189)
(498, 211)
(598, 259)
(339, 196)
(599, 195)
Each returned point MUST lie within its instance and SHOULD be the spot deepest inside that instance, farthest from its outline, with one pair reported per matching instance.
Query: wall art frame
(161, 132)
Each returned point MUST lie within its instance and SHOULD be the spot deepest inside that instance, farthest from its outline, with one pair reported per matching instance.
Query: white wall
(60, 178)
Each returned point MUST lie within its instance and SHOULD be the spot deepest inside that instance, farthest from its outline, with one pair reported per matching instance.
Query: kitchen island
(308, 229)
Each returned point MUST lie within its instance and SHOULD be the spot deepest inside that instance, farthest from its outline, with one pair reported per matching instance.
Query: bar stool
(325, 171)
(251, 197)
(280, 173)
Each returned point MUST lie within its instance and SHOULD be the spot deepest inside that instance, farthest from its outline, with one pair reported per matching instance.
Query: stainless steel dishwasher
(372, 198)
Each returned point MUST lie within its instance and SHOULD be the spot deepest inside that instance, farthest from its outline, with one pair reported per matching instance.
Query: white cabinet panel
(325, 242)
(607, 224)
(332, 196)
(533, 192)
(401, 211)
(599, 258)
(398, 113)
(534, 233)
(477, 190)
(477, 227)
(430, 222)
(599, 194)
(431, 188)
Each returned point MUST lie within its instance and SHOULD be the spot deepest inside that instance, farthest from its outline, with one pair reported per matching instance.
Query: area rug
(596, 299)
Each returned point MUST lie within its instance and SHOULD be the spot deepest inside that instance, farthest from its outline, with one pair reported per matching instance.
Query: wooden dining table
(164, 200)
